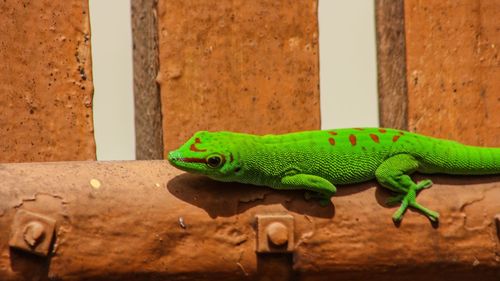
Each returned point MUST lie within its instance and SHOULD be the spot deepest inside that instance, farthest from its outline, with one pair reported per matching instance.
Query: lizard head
(207, 153)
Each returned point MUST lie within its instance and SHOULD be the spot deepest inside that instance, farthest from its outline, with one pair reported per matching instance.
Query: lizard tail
(459, 159)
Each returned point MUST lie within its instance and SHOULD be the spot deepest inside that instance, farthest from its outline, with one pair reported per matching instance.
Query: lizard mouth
(176, 157)
(191, 160)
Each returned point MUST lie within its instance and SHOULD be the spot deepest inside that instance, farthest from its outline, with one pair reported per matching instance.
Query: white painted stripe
(348, 71)
(112, 67)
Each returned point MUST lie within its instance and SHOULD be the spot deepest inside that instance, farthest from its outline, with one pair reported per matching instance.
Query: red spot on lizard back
(375, 138)
(352, 139)
(395, 138)
(401, 133)
(333, 133)
(382, 130)
(359, 129)
(332, 141)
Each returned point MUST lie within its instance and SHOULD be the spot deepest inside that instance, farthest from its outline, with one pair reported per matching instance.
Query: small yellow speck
(95, 183)
(157, 185)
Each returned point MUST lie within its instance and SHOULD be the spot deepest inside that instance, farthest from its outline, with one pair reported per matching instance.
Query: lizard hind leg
(393, 174)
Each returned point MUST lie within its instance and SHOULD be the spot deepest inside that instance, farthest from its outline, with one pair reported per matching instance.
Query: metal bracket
(32, 232)
(275, 234)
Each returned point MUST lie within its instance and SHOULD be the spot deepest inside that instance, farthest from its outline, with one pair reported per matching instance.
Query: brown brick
(453, 68)
(45, 81)
(249, 66)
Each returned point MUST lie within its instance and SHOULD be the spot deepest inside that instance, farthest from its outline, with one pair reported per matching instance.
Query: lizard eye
(214, 161)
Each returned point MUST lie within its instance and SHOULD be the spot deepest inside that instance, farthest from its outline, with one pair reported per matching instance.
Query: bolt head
(33, 233)
(277, 233)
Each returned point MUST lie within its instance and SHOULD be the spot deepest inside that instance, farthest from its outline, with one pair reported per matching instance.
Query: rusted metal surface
(391, 63)
(453, 68)
(248, 66)
(146, 221)
(45, 81)
(148, 120)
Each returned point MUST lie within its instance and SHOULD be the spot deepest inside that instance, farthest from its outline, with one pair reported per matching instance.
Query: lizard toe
(423, 184)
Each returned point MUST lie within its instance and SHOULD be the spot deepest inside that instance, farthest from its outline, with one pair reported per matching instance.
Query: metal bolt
(33, 233)
(277, 233)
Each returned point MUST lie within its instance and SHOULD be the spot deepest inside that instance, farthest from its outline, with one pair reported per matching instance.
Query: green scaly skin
(318, 160)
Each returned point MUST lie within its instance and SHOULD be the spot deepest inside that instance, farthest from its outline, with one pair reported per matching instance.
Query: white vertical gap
(113, 105)
(348, 70)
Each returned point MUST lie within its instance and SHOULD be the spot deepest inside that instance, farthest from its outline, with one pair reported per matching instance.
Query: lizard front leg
(393, 174)
(324, 188)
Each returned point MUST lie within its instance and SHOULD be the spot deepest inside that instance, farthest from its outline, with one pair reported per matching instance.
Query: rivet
(95, 183)
(277, 233)
(33, 233)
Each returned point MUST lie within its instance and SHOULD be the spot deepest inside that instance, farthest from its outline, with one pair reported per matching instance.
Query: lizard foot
(424, 184)
(409, 200)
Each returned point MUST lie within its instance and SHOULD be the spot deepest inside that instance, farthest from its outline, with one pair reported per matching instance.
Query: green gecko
(318, 160)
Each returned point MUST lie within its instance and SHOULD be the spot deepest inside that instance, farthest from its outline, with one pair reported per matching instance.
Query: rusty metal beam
(143, 220)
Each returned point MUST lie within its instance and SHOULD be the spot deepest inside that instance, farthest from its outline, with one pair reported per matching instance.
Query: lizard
(317, 161)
